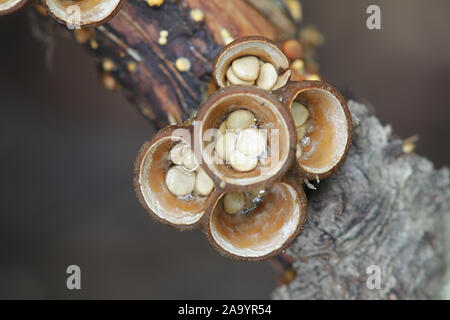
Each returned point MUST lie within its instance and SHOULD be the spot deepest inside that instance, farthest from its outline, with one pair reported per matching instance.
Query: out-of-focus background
(67, 148)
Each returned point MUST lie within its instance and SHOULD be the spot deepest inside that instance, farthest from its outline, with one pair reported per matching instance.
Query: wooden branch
(162, 92)
(384, 207)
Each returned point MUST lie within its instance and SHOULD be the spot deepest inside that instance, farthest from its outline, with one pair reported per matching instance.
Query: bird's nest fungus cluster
(236, 170)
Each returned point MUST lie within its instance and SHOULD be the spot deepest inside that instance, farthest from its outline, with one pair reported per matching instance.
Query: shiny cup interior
(159, 199)
(329, 135)
(264, 230)
(252, 46)
(90, 11)
(268, 117)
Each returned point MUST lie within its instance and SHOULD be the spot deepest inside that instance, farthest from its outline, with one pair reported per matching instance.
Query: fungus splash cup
(237, 170)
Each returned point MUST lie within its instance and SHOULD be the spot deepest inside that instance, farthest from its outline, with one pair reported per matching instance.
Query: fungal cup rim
(226, 95)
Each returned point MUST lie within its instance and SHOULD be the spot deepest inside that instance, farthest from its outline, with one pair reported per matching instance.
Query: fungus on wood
(384, 207)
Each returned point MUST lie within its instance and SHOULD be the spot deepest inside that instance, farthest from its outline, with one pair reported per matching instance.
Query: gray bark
(383, 208)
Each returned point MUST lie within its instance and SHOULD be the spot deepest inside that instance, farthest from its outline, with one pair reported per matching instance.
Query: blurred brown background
(67, 148)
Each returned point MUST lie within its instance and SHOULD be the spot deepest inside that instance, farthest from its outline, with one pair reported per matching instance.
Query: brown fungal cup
(330, 132)
(263, 232)
(151, 167)
(248, 215)
(9, 6)
(91, 12)
(273, 209)
(270, 115)
(254, 46)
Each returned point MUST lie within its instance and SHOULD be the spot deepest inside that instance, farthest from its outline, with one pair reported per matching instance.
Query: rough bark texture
(163, 93)
(383, 208)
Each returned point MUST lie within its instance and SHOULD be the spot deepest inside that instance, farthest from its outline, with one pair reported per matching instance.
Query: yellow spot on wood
(108, 64)
(163, 34)
(109, 82)
(288, 276)
(298, 65)
(409, 145)
(197, 15)
(155, 3)
(132, 66)
(94, 44)
(226, 36)
(183, 64)
(162, 41)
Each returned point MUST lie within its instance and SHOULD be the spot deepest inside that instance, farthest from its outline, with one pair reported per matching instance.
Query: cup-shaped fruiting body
(249, 210)
(9, 6)
(169, 181)
(252, 60)
(245, 136)
(264, 229)
(83, 13)
(323, 124)
(254, 143)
